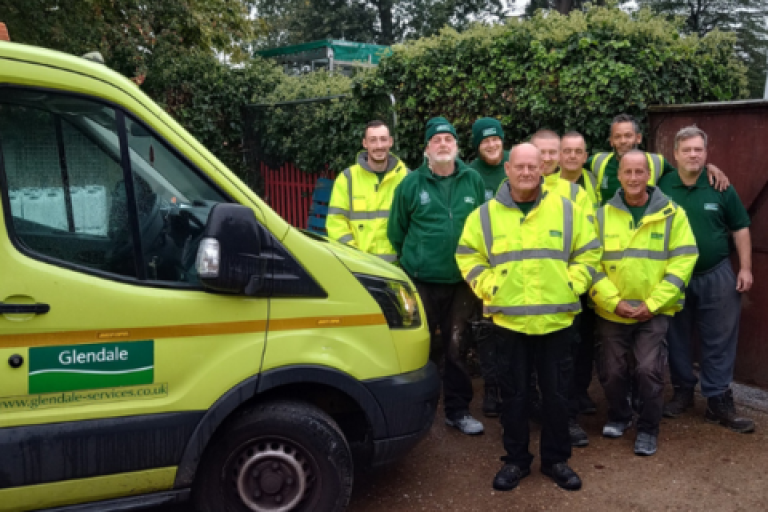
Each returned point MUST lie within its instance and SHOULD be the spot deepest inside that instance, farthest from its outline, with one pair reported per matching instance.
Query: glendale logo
(91, 366)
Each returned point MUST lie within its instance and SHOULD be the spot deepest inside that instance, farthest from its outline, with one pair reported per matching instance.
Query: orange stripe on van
(186, 331)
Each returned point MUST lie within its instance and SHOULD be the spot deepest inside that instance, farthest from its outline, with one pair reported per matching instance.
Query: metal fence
(285, 187)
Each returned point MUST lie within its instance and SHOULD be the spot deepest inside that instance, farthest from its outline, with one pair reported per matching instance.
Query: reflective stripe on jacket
(529, 270)
(650, 263)
(590, 187)
(359, 206)
(600, 162)
(572, 191)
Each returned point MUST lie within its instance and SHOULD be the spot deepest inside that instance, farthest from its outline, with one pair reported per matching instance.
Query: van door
(110, 351)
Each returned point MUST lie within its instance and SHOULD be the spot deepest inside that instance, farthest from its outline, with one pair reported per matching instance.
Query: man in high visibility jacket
(428, 214)
(573, 155)
(549, 143)
(359, 208)
(573, 158)
(528, 254)
(626, 136)
(648, 258)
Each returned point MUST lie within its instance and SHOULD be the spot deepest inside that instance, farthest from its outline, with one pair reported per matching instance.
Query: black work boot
(578, 437)
(681, 400)
(491, 401)
(720, 409)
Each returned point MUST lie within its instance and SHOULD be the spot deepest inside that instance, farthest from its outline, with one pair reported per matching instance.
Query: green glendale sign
(74, 367)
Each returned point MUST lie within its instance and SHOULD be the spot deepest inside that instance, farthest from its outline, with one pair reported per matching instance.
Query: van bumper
(408, 403)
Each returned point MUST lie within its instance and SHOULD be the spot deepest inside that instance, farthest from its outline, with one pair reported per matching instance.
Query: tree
(367, 21)
(130, 34)
(748, 19)
(561, 6)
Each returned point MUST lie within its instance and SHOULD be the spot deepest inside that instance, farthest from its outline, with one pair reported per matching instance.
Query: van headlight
(396, 300)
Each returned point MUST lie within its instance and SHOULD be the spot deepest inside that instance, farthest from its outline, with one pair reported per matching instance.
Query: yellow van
(164, 335)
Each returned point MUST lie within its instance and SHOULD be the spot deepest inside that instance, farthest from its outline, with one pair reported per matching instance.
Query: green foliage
(570, 72)
(748, 19)
(366, 21)
(206, 96)
(131, 34)
(315, 134)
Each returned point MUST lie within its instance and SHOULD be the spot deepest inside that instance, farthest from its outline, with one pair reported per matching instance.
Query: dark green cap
(484, 128)
(439, 125)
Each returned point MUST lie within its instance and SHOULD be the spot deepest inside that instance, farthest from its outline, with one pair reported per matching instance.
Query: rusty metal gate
(738, 144)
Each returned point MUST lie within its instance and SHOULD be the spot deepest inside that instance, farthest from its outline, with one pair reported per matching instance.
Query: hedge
(564, 73)
(571, 72)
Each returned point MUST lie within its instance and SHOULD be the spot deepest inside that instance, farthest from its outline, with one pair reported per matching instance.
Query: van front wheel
(276, 457)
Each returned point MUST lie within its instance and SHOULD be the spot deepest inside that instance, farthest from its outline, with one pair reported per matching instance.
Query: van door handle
(21, 309)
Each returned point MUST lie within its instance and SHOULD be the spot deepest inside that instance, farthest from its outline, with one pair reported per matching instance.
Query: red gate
(288, 191)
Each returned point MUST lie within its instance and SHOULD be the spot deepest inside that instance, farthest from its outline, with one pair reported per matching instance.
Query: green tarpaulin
(342, 51)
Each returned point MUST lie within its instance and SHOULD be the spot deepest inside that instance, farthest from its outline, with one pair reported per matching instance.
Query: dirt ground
(698, 467)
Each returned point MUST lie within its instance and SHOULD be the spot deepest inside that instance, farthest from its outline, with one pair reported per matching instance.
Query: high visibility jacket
(590, 187)
(651, 262)
(572, 191)
(359, 207)
(529, 270)
(600, 162)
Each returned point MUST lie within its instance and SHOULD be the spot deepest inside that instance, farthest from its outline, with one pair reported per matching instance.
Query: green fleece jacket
(492, 175)
(427, 217)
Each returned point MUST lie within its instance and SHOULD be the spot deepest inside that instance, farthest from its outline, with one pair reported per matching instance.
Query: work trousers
(482, 332)
(646, 341)
(450, 307)
(712, 305)
(551, 355)
(584, 355)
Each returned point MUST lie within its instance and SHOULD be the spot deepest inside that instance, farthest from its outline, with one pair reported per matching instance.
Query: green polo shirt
(611, 183)
(713, 216)
(492, 175)
(636, 211)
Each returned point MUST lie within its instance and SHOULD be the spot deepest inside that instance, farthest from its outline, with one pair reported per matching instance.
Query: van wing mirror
(229, 256)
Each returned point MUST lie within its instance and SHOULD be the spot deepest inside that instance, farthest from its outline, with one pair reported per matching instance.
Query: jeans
(450, 306)
(646, 341)
(712, 305)
(551, 355)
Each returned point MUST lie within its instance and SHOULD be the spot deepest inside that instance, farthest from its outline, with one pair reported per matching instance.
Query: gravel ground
(699, 467)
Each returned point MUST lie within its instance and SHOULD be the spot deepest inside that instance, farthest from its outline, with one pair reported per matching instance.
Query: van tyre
(276, 457)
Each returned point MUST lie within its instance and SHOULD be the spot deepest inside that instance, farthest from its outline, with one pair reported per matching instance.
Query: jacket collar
(460, 169)
(657, 202)
(504, 196)
(362, 161)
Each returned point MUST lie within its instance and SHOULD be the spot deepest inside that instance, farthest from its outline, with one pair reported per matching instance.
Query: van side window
(63, 186)
(65, 160)
(173, 204)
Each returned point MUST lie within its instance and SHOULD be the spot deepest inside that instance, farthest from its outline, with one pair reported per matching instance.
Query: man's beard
(376, 161)
(445, 158)
(492, 161)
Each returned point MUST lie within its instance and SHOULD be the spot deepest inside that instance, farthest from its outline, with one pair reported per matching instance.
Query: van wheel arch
(282, 383)
(276, 456)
